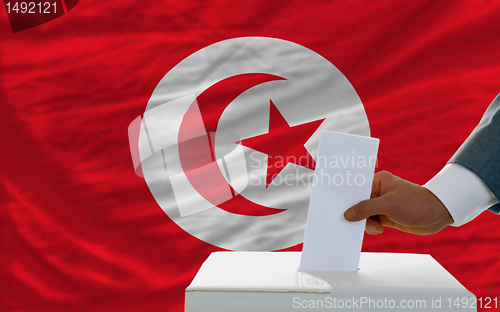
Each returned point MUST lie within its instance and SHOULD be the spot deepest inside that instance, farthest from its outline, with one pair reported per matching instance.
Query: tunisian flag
(80, 231)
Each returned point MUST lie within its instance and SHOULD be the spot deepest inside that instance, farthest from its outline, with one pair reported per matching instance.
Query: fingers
(376, 189)
(380, 179)
(384, 221)
(366, 209)
(373, 226)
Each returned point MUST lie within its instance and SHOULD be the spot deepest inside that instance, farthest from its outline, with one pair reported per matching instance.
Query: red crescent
(198, 153)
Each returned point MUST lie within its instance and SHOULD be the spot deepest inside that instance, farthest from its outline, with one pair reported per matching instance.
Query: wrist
(441, 216)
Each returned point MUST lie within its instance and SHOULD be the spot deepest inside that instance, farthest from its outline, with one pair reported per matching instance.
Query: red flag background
(81, 232)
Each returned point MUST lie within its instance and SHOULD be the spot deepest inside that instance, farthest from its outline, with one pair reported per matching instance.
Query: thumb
(366, 209)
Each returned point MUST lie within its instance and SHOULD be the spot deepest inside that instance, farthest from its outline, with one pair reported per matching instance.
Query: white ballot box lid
(270, 281)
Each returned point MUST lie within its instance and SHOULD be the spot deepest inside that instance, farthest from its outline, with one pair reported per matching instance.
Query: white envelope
(343, 177)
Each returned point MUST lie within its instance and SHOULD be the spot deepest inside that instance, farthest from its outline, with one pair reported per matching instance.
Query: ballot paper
(343, 177)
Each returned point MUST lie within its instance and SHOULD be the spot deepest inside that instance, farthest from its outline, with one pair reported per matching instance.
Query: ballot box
(271, 282)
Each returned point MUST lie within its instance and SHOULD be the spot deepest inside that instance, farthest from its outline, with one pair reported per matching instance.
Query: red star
(283, 144)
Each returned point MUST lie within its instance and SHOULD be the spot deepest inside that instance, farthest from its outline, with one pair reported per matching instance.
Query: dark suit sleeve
(480, 153)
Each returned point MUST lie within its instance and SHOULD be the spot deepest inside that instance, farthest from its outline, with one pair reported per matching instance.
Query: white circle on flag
(311, 89)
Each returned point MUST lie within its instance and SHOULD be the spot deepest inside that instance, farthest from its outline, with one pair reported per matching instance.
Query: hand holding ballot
(402, 205)
(468, 185)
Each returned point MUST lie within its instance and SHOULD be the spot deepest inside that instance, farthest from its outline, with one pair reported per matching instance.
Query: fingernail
(373, 228)
(350, 215)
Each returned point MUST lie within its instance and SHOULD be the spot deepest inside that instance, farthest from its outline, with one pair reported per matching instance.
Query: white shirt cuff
(462, 192)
